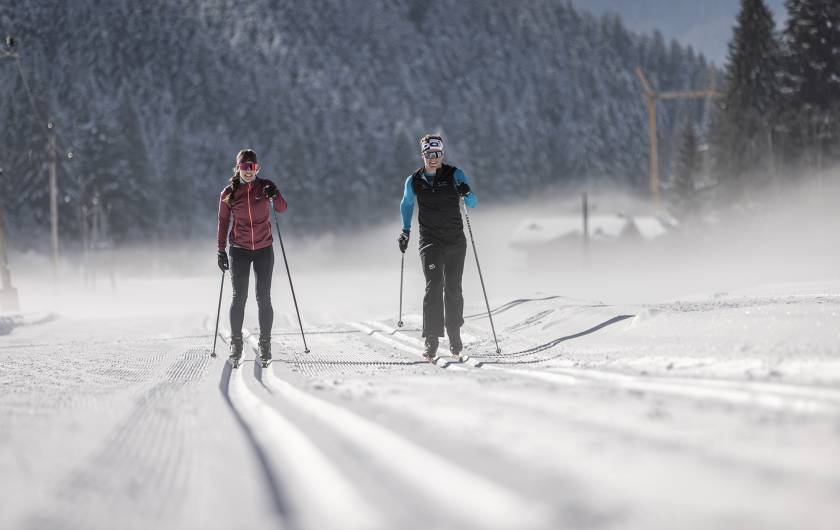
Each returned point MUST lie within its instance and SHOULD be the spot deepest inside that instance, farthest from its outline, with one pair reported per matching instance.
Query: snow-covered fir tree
(687, 167)
(812, 81)
(743, 129)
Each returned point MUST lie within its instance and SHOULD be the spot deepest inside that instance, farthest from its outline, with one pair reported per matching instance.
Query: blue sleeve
(407, 204)
(470, 200)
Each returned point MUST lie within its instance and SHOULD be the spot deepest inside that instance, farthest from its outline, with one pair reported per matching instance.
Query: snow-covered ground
(691, 384)
(715, 411)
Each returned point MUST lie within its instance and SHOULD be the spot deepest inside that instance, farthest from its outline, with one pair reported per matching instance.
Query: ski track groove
(296, 461)
(378, 333)
(799, 399)
(663, 441)
(143, 464)
(303, 466)
(488, 505)
(790, 398)
(660, 440)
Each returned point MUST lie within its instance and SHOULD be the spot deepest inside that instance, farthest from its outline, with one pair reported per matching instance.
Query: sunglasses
(247, 166)
(431, 155)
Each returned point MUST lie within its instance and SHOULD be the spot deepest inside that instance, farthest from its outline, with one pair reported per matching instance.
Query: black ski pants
(241, 260)
(443, 303)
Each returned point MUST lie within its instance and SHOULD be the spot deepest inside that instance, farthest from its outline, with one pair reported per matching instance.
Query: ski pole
(289, 274)
(480, 277)
(218, 311)
(402, 267)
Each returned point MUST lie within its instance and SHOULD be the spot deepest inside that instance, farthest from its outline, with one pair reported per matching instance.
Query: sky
(705, 25)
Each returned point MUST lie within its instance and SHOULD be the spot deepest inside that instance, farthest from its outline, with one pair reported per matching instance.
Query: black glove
(270, 191)
(463, 189)
(403, 241)
(223, 261)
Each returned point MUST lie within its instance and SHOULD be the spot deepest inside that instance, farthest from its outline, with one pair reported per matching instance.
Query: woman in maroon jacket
(246, 200)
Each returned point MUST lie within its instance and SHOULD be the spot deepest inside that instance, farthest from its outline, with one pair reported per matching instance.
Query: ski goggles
(247, 166)
(431, 155)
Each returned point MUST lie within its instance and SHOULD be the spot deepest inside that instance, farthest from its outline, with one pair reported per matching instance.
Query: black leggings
(443, 303)
(240, 272)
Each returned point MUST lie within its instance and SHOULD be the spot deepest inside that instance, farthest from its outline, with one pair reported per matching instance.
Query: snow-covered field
(719, 411)
(695, 386)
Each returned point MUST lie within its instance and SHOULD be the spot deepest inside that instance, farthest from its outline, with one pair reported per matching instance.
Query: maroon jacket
(251, 224)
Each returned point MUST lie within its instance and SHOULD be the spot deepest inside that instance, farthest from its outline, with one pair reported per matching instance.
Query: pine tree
(178, 207)
(686, 172)
(812, 80)
(129, 189)
(742, 135)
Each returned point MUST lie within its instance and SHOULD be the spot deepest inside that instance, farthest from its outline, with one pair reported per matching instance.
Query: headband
(431, 143)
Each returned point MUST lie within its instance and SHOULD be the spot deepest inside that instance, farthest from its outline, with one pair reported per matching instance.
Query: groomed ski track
(794, 398)
(258, 396)
(582, 421)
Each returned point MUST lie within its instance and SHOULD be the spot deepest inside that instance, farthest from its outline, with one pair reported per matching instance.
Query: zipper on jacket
(250, 218)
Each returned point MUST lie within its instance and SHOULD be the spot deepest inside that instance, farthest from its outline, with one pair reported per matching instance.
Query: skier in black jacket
(438, 188)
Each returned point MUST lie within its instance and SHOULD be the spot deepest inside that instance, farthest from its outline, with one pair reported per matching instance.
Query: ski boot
(265, 351)
(455, 345)
(235, 351)
(430, 352)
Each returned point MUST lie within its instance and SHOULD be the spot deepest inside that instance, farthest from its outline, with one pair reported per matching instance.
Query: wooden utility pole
(8, 294)
(650, 98)
(53, 168)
